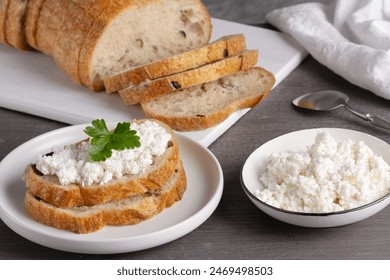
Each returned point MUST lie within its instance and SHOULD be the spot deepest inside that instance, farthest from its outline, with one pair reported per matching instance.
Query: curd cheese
(72, 165)
(329, 176)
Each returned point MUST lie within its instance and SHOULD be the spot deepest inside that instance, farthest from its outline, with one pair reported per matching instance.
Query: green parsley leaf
(104, 141)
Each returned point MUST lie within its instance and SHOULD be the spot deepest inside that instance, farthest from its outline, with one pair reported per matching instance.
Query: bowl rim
(311, 214)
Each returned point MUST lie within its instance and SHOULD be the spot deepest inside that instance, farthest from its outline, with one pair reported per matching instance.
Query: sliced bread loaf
(206, 105)
(128, 211)
(138, 32)
(15, 24)
(151, 89)
(3, 19)
(48, 187)
(217, 50)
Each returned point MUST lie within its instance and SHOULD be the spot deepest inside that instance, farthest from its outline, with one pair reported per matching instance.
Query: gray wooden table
(237, 229)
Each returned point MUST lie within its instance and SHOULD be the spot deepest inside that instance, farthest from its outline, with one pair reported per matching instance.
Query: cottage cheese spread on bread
(329, 176)
(72, 165)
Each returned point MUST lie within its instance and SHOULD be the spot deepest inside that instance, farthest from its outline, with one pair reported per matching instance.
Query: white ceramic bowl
(298, 141)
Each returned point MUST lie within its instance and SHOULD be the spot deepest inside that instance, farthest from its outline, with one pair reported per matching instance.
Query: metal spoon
(327, 100)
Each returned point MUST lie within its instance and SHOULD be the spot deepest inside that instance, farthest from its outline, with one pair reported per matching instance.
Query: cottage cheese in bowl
(329, 176)
(319, 177)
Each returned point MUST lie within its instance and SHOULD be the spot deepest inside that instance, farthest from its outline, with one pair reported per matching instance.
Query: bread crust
(31, 21)
(202, 121)
(48, 188)
(80, 18)
(125, 212)
(89, 44)
(50, 23)
(4, 4)
(14, 30)
(149, 90)
(217, 50)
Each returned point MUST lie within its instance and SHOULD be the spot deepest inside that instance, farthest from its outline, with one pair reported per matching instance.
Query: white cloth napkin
(350, 37)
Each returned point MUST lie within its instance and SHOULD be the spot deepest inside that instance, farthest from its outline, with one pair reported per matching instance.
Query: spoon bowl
(322, 101)
(328, 100)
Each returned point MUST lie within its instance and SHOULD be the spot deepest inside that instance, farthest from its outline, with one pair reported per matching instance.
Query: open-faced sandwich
(117, 177)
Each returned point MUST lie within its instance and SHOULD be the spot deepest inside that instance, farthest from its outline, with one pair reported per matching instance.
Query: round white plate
(204, 191)
(298, 141)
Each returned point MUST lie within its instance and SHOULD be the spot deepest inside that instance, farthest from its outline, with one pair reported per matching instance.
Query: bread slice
(138, 32)
(31, 20)
(206, 105)
(50, 23)
(150, 89)
(217, 50)
(87, 219)
(15, 24)
(3, 18)
(79, 20)
(48, 187)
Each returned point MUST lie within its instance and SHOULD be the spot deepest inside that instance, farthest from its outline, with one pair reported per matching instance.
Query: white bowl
(298, 141)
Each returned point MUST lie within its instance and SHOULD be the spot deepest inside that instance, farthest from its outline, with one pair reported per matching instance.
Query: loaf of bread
(49, 189)
(94, 39)
(129, 211)
(217, 50)
(154, 52)
(151, 89)
(208, 104)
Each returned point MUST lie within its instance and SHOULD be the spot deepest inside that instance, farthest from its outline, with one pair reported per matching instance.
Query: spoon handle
(378, 121)
(374, 120)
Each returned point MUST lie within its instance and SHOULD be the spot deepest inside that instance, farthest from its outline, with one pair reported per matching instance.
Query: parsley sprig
(104, 141)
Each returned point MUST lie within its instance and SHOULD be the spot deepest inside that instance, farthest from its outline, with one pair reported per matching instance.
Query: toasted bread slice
(128, 211)
(217, 50)
(4, 4)
(150, 89)
(206, 105)
(48, 187)
(15, 24)
(132, 31)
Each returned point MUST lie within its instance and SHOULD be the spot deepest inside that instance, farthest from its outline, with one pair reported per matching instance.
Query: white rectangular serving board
(32, 83)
